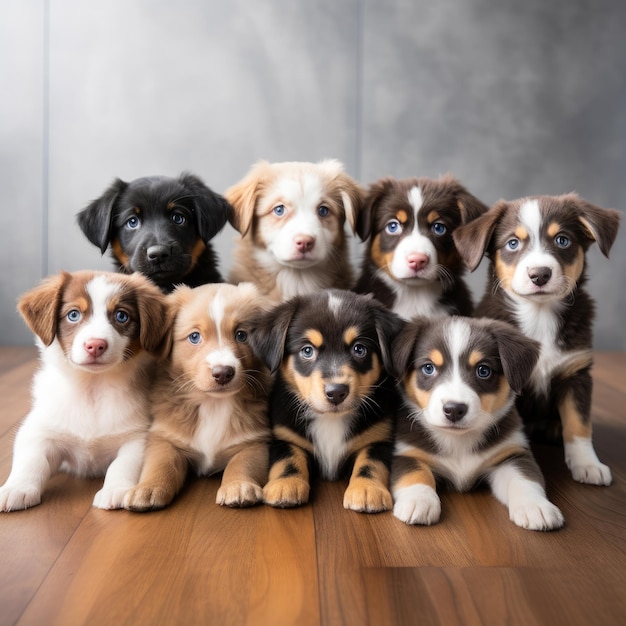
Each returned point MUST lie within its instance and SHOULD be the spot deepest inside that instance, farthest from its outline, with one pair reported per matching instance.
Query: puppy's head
(295, 211)
(331, 348)
(156, 225)
(462, 374)
(409, 224)
(211, 350)
(99, 319)
(538, 244)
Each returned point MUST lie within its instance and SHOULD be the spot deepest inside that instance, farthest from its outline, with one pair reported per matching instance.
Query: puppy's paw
(110, 497)
(367, 497)
(584, 464)
(417, 504)
(286, 492)
(592, 474)
(18, 498)
(538, 515)
(239, 493)
(146, 498)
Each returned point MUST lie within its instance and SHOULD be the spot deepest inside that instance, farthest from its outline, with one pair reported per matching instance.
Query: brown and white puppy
(333, 404)
(210, 405)
(537, 249)
(291, 218)
(411, 264)
(98, 334)
(458, 378)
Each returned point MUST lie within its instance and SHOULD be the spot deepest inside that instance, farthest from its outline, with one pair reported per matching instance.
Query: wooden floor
(67, 563)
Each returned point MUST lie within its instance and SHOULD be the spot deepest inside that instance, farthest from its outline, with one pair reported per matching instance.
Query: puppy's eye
(512, 244)
(393, 227)
(178, 218)
(428, 369)
(195, 338)
(73, 316)
(121, 316)
(323, 210)
(360, 351)
(562, 241)
(483, 371)
(439, 228)
(133, 222)
(279, 210)
(241, 336)
(308, 352)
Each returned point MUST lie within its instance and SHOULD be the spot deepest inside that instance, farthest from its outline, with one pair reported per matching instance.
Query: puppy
(332, 405)
(98, 334)
(291, 218)
(458, 379)
(210, 406)
(159, 226)
(537, 248)
(411, 264)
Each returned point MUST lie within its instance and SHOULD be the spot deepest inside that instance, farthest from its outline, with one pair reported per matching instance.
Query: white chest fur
(328, 433)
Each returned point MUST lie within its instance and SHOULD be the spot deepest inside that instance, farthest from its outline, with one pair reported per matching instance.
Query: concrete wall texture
(514, 98)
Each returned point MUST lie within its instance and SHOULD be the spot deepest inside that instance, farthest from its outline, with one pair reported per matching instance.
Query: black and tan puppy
(537, 248)
(332, 404)
(159, 226)
(459, 423)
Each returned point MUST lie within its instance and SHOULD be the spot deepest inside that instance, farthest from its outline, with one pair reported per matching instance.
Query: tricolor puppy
(537, 248)
(159, 226)
(332, 404)
(291, 218)
(210, 405)
(98, 334)
(411, 264)
(459, 423)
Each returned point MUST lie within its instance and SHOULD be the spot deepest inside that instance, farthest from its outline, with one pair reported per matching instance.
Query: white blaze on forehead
(216, 313)
(300, 192)
(416, 200)
(334, 304)
(100, 292)
(457, 339)
(530, 217)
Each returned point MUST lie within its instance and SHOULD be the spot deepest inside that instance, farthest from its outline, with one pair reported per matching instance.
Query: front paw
(110, 498)
(592, 474)
(146, 498)
(540, 515)
(417, 504)
(584, 464)
(286, 492)
(18, 498)
(367, 497)
(239, 493)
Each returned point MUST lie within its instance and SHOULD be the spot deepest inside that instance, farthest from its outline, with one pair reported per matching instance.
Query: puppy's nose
(539, 275)
(95, 347)
(417, 261)
(223, 374)
(336, 393)
(158, 253)
(455, 411)
(304, 243)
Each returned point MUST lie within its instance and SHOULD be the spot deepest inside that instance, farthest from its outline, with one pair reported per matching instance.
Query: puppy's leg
(121, 475)
(518, 484)
(368, 489)
(244, 476)
(288, 483)
(162, 477)
(413, 488)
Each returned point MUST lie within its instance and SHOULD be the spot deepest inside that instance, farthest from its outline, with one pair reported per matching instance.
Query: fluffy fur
(332, 404)
(291, 218)
(459, 422)
(210, 405)
(98, 335)
(411, 263)
(537, 249)
(159, 226)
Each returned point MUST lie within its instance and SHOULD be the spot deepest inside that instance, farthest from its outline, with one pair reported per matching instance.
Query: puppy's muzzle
(158, 254)
(223, 374)
(455, 411)
(539, 275)
(336, 393)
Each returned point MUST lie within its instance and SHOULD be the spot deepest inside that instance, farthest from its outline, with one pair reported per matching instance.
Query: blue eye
(121, 316)
(360, 351)
(439, 228)
(323, 210)
(241, 336)
(483, 371)
(307, 352)
(513, 244)
(393, 227)
(428, 369)
(279, 210)
(195, 338)
(74, 315)
(178, 218)
(133, 222)
(562, 241)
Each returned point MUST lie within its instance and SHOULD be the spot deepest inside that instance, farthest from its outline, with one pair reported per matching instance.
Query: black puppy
(159, 226)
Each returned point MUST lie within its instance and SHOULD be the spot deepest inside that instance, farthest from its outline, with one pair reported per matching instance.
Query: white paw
(18, 498)
(110, 497)
(596, 474)
(417, 504)
(538, 515)
(584, 464)
(239, 494)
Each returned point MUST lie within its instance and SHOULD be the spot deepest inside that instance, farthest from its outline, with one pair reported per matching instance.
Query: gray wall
(514, 98)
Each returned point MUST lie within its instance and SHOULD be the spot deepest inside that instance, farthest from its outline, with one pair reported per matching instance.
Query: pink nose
(304, 243)
(95, 347)
(417, 261)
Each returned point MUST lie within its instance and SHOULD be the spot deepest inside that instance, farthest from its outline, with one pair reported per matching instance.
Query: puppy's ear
(40, 306)
(212, 210)
(600, 224)
(388, 325)
(472, 239)
(243, 196)
(404, 344)
(96, 221)
(268, 336)
(469, 205)
(518, 353)
(375, 194)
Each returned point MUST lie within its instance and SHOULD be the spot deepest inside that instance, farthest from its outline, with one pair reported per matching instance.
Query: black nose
(157, 254)
(223, 374)
(336, 393)
(455, 411)
(539, 275)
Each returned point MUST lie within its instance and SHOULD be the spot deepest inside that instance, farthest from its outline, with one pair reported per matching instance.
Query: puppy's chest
(329, 435)
(410, 301)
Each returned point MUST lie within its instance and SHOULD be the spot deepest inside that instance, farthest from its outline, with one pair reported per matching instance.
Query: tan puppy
(210, 405)
(291, 217)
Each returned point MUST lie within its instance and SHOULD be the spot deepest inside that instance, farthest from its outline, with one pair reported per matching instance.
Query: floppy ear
(40, 306)
(243, 196)
(388, 325)
(518, 353)
(212, 210)
(473, 238)
(96, 221)
(404, 344)
(469, 205)
(375, 194)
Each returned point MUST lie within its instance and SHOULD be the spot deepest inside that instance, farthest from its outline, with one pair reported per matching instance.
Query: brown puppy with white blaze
(537, 248)
(291, 218)
(209, 406)
(458, 377)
